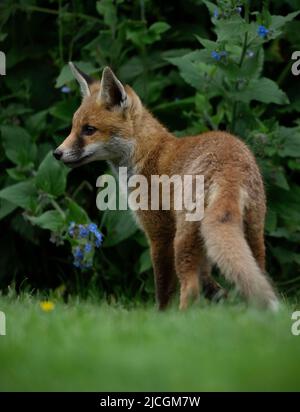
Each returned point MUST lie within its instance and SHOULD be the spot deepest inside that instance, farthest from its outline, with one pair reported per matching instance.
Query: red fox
(112, 124)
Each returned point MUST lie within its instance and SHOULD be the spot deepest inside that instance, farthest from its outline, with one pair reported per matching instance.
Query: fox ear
(112, 93)
(83, 79)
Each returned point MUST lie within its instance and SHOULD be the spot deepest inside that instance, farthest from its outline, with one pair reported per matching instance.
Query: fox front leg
(162, 254)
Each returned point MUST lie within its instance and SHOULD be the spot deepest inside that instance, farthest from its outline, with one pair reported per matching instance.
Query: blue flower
(99, 236)
(77, 253)
(65, 89)
(262, 31)
(71, 229)
(218, 56)
(92, 238)
(216, 13)
(250, 53)
(78, 257)
(83, 231)
(88, 247)
(215, 55)
(98, 242)
(239, 9)
(92, 227)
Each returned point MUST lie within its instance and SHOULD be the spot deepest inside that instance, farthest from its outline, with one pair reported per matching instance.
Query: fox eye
(88, 130)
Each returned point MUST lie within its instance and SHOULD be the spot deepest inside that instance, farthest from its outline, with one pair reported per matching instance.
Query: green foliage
(206, 65)
(21, 194)
(51, 176)
(52, 220)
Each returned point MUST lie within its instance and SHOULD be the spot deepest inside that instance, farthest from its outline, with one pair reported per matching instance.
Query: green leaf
(37, 122)
(191, 68)
(22, 194)
(16, 174)
(141, 238)
(290, 146)
(6, 208)
(278, 21)
(253, 66)
(64, 110)
(280, 180)
(286, 205)
(211, 6)
(65, 75)
(145, 262)
(120, 225)
(140, 35)
(208, 44)
(18, 145)
(262, 90)
(281, 254)
(271, 221)
(294, 164)
(108, 10)
(158, 28)
(51, 176)
(52, 220)
(231, 30)
(76, 213)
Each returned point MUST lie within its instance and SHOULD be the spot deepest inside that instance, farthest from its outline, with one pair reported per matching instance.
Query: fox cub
(112, 124)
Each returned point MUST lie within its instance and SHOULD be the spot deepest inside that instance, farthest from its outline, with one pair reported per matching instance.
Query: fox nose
(57, 154)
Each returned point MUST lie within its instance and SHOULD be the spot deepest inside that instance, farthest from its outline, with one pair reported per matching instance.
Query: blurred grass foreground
(86, 347)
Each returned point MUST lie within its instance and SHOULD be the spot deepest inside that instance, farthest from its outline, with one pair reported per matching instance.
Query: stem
(56, 12)
(60, 34)
(145, 73)
(240, 63)
(71, 44)
(285, 72)
(208, 120)
(10, 96)
(143, 16)
(288, 282)
(102, 221)
(245, 45)
(58, 208)
(80, 187)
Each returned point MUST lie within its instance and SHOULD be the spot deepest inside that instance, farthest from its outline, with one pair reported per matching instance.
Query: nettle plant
(230, 67)
(233, 94)
(41, 193)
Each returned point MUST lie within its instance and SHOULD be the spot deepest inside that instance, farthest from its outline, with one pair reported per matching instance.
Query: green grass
(87, 346)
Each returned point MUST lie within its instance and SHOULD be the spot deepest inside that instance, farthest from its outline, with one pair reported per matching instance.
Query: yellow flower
(47, 305)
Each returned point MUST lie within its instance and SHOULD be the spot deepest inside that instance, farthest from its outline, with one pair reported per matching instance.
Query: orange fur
(231, 232)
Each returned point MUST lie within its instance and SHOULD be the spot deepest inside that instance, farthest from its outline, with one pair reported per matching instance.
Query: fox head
(103, 125)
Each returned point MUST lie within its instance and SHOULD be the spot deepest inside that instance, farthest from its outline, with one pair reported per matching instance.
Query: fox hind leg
(187, 259)
(211, 289)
